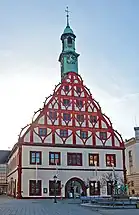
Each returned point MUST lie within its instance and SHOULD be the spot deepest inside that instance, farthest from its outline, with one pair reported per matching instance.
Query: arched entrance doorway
(74, 187)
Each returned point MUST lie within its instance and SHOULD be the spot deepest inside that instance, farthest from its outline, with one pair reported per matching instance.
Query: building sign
(44, 190)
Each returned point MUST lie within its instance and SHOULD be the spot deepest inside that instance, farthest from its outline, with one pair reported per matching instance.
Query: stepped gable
(71, 116)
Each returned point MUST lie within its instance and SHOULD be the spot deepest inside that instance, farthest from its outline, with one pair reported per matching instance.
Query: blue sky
(107, 40)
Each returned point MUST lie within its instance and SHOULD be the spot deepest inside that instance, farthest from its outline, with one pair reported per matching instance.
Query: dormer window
(42, 132)
(66, 102)
(66, 88)
(69, 41)
(79, 103)
(78, 90)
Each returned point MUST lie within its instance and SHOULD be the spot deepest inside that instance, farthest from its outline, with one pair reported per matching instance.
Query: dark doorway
(94, 188)
(109, 187)
(74, 187)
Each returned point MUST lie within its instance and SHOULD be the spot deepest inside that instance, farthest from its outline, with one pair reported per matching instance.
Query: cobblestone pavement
(47, 207)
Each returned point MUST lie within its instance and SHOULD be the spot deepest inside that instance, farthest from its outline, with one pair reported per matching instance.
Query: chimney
(136, 129)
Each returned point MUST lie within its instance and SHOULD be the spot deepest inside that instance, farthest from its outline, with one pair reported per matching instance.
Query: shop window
(94, 188)
(54, 186)
(35, 188)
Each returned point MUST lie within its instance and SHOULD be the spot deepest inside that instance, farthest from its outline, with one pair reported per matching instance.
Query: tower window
(69, 41)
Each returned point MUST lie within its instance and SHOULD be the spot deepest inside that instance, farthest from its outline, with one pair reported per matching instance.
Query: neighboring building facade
(132, 163)
(3, 170)
(69, 138)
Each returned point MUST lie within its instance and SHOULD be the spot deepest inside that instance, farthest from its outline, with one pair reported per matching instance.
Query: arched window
(69, 41)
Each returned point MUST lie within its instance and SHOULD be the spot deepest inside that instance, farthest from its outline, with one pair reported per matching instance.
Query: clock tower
(68, 57)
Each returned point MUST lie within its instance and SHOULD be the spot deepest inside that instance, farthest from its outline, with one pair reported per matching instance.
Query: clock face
(71, 59)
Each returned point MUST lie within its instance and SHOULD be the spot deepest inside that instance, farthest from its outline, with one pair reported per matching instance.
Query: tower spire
(67, 11)
(68, 58)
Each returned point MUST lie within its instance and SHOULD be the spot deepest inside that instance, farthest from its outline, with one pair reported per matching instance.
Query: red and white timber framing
(82, 103)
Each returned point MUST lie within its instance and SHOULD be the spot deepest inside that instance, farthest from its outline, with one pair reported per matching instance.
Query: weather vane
(67, 11)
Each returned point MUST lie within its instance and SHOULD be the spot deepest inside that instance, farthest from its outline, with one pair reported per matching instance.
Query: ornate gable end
(72, 116)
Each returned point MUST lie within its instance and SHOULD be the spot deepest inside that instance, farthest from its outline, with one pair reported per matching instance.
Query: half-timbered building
(69, 138)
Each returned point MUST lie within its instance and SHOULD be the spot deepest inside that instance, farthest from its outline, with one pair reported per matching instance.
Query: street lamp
(55, 187)
(95, 169)
(114, 181)
(96, 175)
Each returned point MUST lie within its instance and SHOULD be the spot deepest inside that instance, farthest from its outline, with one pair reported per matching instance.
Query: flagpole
(56, 169)
(36, 173)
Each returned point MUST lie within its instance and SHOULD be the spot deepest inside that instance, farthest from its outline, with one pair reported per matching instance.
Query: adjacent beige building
(132, 163)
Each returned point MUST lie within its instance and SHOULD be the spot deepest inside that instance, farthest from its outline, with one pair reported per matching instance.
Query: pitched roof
(4, 156)
(80, 101)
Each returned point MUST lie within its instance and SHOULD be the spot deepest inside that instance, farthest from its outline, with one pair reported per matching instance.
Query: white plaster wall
(63, 176)
(27, 137)
(116, 141)
(70, 139)
(48, 139)
(58, 139)
(41, 120)
(65, 172)
(69, 123)
(103, 124)
(98, 141)
(78, 140)
(45, 156)
(36, 138)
